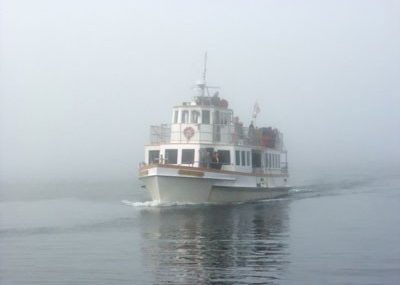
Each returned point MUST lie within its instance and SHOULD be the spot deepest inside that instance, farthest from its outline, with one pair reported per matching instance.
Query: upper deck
(208, 120)
(204, 132)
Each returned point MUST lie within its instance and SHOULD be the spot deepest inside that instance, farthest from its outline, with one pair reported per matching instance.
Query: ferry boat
(206, 155)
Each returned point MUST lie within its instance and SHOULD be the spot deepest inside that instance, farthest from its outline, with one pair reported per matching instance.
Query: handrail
(215, 134)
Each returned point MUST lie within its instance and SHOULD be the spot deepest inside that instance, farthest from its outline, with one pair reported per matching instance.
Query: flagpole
(256, 110)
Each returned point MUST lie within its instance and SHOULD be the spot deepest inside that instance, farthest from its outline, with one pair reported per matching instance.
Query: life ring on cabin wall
(188, 132)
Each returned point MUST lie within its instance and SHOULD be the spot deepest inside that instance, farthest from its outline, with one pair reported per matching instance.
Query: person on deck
(216, 161)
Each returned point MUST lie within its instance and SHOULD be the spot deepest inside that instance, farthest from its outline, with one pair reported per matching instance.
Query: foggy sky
(82, 81)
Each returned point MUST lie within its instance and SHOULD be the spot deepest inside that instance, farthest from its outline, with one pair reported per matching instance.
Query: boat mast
(205, 67)
(204, 84)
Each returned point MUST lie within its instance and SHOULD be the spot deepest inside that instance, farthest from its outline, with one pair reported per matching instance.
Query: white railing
(160, 134)
(212, 133)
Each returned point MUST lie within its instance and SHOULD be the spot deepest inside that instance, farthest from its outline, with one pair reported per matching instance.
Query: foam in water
(174, 204)
(141, 204)
(299, 189)
(157, 203)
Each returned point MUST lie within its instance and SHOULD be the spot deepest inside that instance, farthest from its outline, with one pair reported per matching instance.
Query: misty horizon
(80, 85)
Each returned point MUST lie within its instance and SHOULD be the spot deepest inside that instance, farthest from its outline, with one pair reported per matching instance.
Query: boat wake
(157, 204)
(149, 204)
(141, 204)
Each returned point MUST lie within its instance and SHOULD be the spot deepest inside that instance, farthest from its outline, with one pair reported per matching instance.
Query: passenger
(219, 162)
(215, 161)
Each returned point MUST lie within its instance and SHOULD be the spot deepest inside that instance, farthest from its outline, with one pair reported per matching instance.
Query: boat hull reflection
(216, 243)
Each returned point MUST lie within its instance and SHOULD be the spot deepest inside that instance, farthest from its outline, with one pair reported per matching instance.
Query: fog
(82, 81)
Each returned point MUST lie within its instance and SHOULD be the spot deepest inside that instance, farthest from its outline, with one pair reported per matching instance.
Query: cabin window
(237, 157)
(217, 133)
(187, 156)
(195, 119)
(185, 117)
(205, 116)
(243, 158)
(171, 156)
(279, 161)
(216, 117)
(256, 158)
(226, 118)
(269, 160)
(223, 118)
(224, 157)
(154, 156)
(229, 117)
(248, 158)
(266, 160)
(176, 117)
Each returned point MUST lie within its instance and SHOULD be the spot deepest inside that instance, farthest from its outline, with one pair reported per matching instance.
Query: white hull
(167, 184)
(241, 194)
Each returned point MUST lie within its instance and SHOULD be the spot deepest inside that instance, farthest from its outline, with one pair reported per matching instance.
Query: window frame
(168, 158)
(237, 157)
(185, 116)
(184, 159)
(205, 117)
(153, 158)
(193, 116)
(224, 156)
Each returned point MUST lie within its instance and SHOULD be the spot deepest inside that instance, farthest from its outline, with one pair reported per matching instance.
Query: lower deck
(173, 183)
(244, 159)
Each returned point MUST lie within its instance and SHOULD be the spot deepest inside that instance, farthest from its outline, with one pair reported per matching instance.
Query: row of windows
(187, 157)
(195, 117)
(171, 156)
(272, 160)
(242, 158)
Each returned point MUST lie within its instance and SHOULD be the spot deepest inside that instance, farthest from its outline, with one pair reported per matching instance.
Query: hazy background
(81, 81)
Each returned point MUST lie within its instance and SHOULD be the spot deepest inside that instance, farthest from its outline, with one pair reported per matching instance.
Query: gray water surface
(340, 232)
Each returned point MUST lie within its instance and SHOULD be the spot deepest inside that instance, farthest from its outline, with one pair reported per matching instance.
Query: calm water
(343, 231)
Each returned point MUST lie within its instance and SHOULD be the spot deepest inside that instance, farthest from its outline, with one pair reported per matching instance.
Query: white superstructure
(207, 155)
